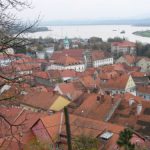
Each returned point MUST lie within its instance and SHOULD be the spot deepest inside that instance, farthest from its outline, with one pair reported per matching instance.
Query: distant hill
(32, 30)
(137, 22)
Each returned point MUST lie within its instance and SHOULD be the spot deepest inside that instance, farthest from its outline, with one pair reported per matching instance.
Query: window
(106, 135)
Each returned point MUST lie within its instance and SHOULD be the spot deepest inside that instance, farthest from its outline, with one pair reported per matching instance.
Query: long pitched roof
(126, 114)
(76, 53)
(96, 106)
(124, 44)
(98, 55)
(118, 83)
(67, 60)
(55, 125)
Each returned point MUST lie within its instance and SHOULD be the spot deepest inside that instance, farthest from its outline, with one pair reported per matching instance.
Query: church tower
(66, 43)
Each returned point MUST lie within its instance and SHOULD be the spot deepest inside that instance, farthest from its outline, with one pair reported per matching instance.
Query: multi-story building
(130, 60)
(67, 63)
(124, 47)
(144, 64)
(101, 58)
(120, 85)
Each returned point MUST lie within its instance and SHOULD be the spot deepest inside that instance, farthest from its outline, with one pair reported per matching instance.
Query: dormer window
(106, 135)
(23, 93)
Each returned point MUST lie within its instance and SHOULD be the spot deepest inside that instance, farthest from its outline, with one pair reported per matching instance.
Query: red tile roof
(138, 74)
(108, 75)
(119, 83)
(129, 96)
(55, 126)
(76, 53)
(66, 87)
(130, 59)
(42, 74)
(98, 55)
(89, 82)
(79, 125)
(124, 44)
(67, 73)
(95, 106)
(144, 89)
(25, 120)
(67, 60)
(70, 90)
(41, 100)
(127, 115)
(54, 74)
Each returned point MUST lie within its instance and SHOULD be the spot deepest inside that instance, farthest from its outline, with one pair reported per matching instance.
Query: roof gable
(59, 103)
(130, 83)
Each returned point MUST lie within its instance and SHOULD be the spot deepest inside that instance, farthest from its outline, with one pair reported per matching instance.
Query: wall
(102, 62)
(117, 49)
(122, 60)
(78, 67)
(145, 65)
(130, 83)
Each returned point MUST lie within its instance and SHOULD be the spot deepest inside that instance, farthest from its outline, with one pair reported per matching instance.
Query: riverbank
(142, 33)
(87, 31)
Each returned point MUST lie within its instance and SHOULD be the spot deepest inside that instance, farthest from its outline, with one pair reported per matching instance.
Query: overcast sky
(87, 9)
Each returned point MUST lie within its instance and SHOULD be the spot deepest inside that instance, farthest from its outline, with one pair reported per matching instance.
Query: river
(87, 31)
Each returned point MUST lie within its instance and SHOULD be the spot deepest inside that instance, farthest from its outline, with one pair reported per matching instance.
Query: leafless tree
(11, 36)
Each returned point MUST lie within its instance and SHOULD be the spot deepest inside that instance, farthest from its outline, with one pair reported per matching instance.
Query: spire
(66, 43)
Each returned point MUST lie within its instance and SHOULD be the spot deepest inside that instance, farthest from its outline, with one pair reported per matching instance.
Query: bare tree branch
(11, 36)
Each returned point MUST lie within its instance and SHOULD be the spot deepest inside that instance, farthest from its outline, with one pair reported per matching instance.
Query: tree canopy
(124, 139)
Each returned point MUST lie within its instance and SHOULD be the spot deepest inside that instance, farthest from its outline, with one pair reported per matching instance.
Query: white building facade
(76, 67)
(102, 62)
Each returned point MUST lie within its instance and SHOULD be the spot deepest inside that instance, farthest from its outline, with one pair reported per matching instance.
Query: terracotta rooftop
(108, 75)
(119, 83)
(138, 74)
(70, 90)
(124, 44)
(98, 55)
(67, 60)
(42, 74)
(129, 96)
(79, 126)
(54, 74)
(21, 117)
(96, 106)
(127, 114)
(76, 53)
(89, 82)
(40, 100)
(55, 126)
(114, 67)
(130, 59)
(67, 73)
(144, 89)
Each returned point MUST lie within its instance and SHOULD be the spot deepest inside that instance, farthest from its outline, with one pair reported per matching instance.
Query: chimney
(102, 97)
(112, 99)
(131, 101)
(98, 98)
(111, 76)
(54, 92)
(139, 109)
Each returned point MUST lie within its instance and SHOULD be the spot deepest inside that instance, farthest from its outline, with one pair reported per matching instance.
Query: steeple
(66, 43)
